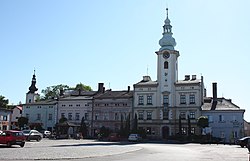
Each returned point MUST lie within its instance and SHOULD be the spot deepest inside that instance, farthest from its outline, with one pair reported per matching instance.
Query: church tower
(31, 95)
(167, 67)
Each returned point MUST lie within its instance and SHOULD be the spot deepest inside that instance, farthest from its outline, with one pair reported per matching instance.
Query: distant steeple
(32, 88)
(167, 42)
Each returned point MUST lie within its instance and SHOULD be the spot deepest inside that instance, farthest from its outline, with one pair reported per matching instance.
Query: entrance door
(165, 132)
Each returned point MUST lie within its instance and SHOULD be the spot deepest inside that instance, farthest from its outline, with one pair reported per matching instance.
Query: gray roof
(114, 94)
(195, 81)
(43, 102)
(222, 105)
(72, 97)
(146, 81)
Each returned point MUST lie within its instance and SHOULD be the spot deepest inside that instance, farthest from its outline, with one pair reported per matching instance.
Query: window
(192, 115)
(105, 117)
(140, 116)
(165, 114)
(29, 100)
(191, 99)
(77, 116)
(149, 115)
(116, 116)
(86, 115)
(38, 116)
(221, 118)
(183, 99)
(50, 117)
(70, 116)
(165, 100)
(140, 100)
(96, 116)
(165, 65)
(182, 115)
(148, 131)
(192, 130)
(183, 131)
(5, 118)
(149, 100)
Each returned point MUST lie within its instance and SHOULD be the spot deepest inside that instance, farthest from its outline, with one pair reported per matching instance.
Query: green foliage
(63, 119)
(83, 128)
(53, 91)
(22, 121)
(82, 87)
(3, 102)
(202, 122)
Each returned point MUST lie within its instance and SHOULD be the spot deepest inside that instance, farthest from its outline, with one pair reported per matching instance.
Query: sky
(114, 42)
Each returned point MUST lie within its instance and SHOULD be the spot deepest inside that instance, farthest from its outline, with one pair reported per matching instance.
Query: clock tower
(167, 67)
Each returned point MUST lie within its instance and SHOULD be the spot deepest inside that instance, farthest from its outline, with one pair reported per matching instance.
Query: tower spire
(32, 88)
(167, 41)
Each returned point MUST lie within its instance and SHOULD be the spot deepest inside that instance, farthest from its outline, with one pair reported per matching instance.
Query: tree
(63, 119)
(53, 91)
(22, 121)
(202, 122)
(83, 127)
(3, 102)
(135, 124)
(82, 87)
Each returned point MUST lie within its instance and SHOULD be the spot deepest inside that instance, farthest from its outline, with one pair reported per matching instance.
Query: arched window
(165, 65)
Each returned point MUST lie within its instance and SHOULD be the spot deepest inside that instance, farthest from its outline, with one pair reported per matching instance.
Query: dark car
(12, 137)
(114, 137)
(243, 141)
(32, 135)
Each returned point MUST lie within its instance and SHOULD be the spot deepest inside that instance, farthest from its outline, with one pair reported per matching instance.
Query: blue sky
(114, 42)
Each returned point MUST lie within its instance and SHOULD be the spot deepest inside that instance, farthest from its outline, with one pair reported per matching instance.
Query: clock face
(166, 55)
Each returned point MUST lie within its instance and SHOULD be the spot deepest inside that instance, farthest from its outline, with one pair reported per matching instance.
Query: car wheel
(38, 139)
(22, 145)
(242, 146)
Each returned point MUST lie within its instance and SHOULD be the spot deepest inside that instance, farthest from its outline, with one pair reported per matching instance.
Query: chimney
(193, 77)
(187, 77)
(214, 96)
(100, 87)
(128, 88)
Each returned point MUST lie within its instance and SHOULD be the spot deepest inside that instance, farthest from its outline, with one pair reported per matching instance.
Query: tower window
(149, 100)
(183, 99)
(149, 115)
(140, 116)
(140, 100)
(191, 99)
(165, 65)
(165, 100)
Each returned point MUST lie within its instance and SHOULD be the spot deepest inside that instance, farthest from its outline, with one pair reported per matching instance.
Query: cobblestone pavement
(65, 149)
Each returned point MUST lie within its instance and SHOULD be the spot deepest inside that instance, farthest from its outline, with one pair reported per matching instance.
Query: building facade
(226, 120)
(168, 106)
(5, 119)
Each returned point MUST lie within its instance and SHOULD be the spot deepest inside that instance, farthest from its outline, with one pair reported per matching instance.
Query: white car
(134, 137)
(46, 134)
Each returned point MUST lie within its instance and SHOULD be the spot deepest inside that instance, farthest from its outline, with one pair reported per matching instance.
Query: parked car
(12, 137)
(32, 135)
(243, 141)
(114, 137)
(134, 137)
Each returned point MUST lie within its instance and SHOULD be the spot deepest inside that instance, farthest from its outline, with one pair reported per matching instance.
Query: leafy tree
(83, 127)
(3, 102)
(82, 87)
(53, 91)
(63, 119)
(202, 122)
(135, 125)
(22, 121)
